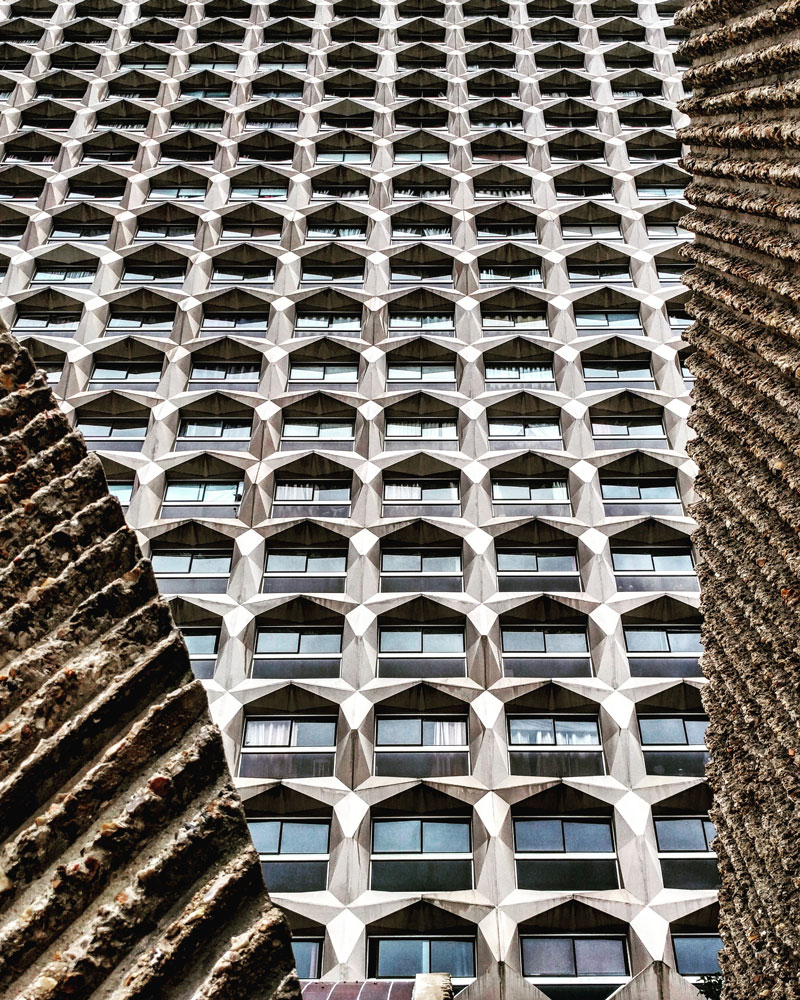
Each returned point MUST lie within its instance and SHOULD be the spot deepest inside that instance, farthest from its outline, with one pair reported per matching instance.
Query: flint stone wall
(744, 141)
(126, 866)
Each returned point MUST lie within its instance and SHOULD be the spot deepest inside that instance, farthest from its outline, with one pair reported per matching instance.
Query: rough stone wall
(126, 867)
(744, 141)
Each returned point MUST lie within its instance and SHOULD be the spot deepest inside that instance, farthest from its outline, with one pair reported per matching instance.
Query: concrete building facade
(373, 313)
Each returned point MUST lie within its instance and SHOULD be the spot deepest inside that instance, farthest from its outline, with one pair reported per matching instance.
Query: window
(406, 371)
(550, 959)
(306, 562)
(132, 373)
(530, 491)
(673, 730)
(332, 231)
(537, 561)
(301, 371)
(662, 733)
(334, 324)
(540, 430)
(617, 370)
(420, 561)
(144, 273)
(495, 324)
(243, 324)
(409, 428)
(171, 192)
(148, 324)
(111, 428)
(684, 851)
(652, 560)
(49, 274)
(667, 651)
(421, 746)
(297, 652)
(431, 855)
(697, 954)
(227, 429)
(183, 493)
(338, 430)
(422, 652)
(203, 644)
(634, 427)
(513, 371)
(549, 640)
(599, 321)
(311, 492)
(414, 324)
(421, 492)
(63, 229)
(245, 192)
(565, 746)
(192, 562)
(637, 495)
(565, 853)
(231, 273)
(307, 956)
(404, 958)
(146, 230)
(122, 490)
(293, 853)
(224, 371)
(300, 747)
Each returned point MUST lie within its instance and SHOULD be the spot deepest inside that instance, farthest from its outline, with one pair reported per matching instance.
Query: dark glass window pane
(306, 958)
(539, 835)
(392, 836)
(697, 956)
(662, 731)
(401, 959)
(455, 957)
(304, 837)
(599, 957)
(445, 837)
(397, 732)
(313, 734)
(266, 835)
(548, 956)
(587, 836)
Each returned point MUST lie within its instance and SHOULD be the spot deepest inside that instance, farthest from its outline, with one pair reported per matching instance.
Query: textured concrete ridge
(744, 153)
(126, 868)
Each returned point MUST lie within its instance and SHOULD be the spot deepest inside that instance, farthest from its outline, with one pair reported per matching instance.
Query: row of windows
(547, 959)
(433, 854)
(436, 747)
(589, 322)
(402, 272)
(144, 375)
(286, 85)
(344, 8)
(419, 493)
(324, 225)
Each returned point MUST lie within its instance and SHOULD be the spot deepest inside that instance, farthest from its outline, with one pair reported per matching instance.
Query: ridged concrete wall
(744, 139)
(126, 867)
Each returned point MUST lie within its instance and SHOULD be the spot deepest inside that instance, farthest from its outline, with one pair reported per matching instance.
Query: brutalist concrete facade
(373, 313)
(126, 868)
(744, 298)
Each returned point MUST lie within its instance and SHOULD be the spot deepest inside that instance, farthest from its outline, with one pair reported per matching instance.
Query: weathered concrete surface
(744, 143)
(126, 867)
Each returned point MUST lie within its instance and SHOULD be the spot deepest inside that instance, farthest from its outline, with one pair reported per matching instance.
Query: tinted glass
(599, 957)
(401, 959)
(681, 834)
(587, 836)
(397, 836)
(306, 958)
(697, 955)
(445, 837)
(548, 956)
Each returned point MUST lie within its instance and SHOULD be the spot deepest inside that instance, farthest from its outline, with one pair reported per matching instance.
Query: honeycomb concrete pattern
(127, 868)
(744, 299)
(190, 154)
